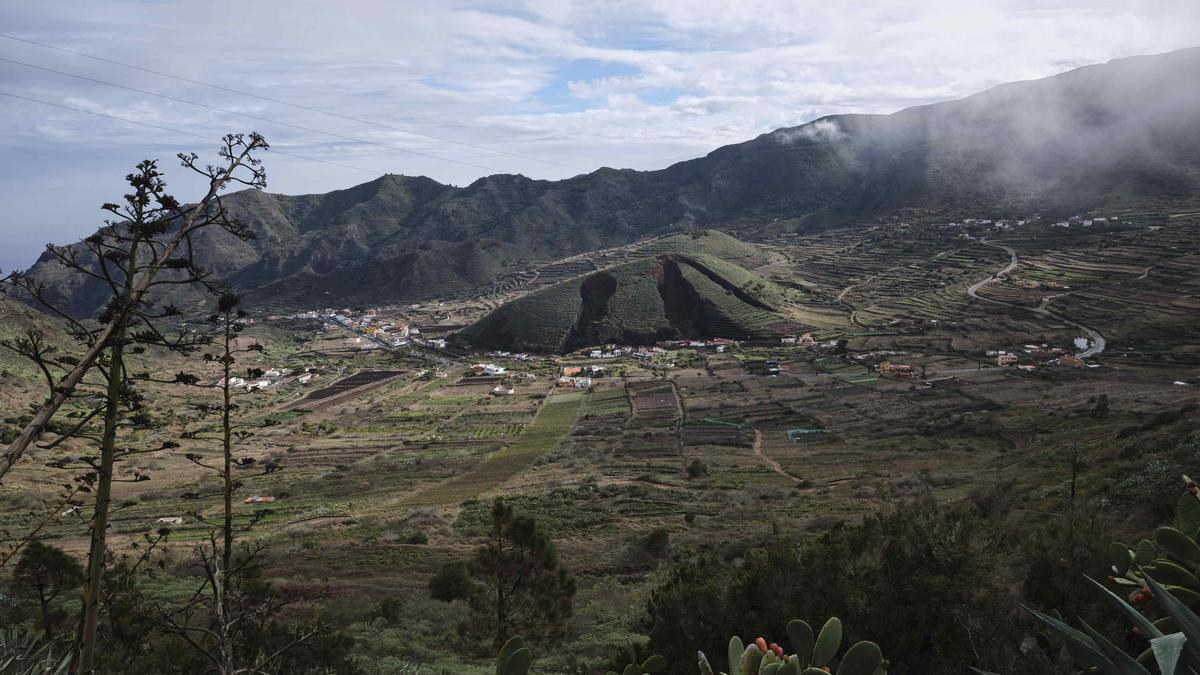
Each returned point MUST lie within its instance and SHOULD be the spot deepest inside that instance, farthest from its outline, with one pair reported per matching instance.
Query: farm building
(503, 390)
(259, 499)
(897, 369)
(809, 435)
(1003, 359)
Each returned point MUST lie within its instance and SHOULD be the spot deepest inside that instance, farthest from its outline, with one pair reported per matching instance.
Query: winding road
(1097, 340)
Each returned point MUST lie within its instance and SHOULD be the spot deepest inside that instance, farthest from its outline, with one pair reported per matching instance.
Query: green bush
(657, 542)
(924, 580)
(451, 582)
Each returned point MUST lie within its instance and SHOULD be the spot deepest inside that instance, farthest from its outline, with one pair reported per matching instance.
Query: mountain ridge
(1120, 133)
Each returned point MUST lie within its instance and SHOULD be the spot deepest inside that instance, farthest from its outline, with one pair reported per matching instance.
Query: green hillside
(712, 243)
(666, 296)
(16, 319)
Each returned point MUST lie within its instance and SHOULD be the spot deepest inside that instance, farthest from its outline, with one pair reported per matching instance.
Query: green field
(552, 422)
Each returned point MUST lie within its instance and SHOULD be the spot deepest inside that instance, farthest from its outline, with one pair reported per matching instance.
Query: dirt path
(771, 464)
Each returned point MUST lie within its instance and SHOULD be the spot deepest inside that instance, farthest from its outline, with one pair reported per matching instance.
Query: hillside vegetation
(15, 320)
(682, 288)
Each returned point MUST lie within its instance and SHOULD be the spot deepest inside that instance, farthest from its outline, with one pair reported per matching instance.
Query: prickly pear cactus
(1172, 558)
(651, 664)
(816, 654)
(514, 658)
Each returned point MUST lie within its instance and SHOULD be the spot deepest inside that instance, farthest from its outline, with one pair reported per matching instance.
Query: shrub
(959, 612)
(657, 542)
(450, 582)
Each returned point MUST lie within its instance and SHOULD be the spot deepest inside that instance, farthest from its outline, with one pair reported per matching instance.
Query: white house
(583, 382)
(492, 369)
(259, 384)
(306, 378)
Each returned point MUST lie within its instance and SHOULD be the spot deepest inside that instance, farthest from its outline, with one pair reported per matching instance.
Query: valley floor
(388, 476)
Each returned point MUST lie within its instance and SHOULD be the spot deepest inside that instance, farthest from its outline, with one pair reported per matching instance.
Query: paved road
(973, 291)
(1097, 340)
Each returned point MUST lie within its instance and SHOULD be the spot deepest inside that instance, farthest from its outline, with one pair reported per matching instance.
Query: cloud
(664, 79)
(821, 131)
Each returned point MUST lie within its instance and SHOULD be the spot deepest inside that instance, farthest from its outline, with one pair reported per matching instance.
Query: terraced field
(725, 314)
(343, 387)
(654, 402)
(553, 421)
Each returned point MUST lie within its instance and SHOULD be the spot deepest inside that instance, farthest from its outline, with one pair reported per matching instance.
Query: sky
(346, 91)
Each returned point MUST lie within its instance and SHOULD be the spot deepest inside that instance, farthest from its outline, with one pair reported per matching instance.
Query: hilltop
(686, 287)
(1120, 134)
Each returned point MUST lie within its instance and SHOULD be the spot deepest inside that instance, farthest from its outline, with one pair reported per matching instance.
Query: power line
(297, 106)
(176, 131)
(243, 114)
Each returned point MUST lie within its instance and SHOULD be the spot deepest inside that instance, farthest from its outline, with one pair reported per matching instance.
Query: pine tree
(42, 574)
(518, 585)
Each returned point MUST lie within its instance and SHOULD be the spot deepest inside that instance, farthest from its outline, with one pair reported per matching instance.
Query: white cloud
(665, 79)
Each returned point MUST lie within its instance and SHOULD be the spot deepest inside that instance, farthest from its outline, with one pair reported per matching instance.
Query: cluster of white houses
(268, 378)
(384, 332)
(1080, 221)
(580, 377)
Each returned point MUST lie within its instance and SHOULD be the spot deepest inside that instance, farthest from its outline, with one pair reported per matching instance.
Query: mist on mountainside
(1124, 133)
